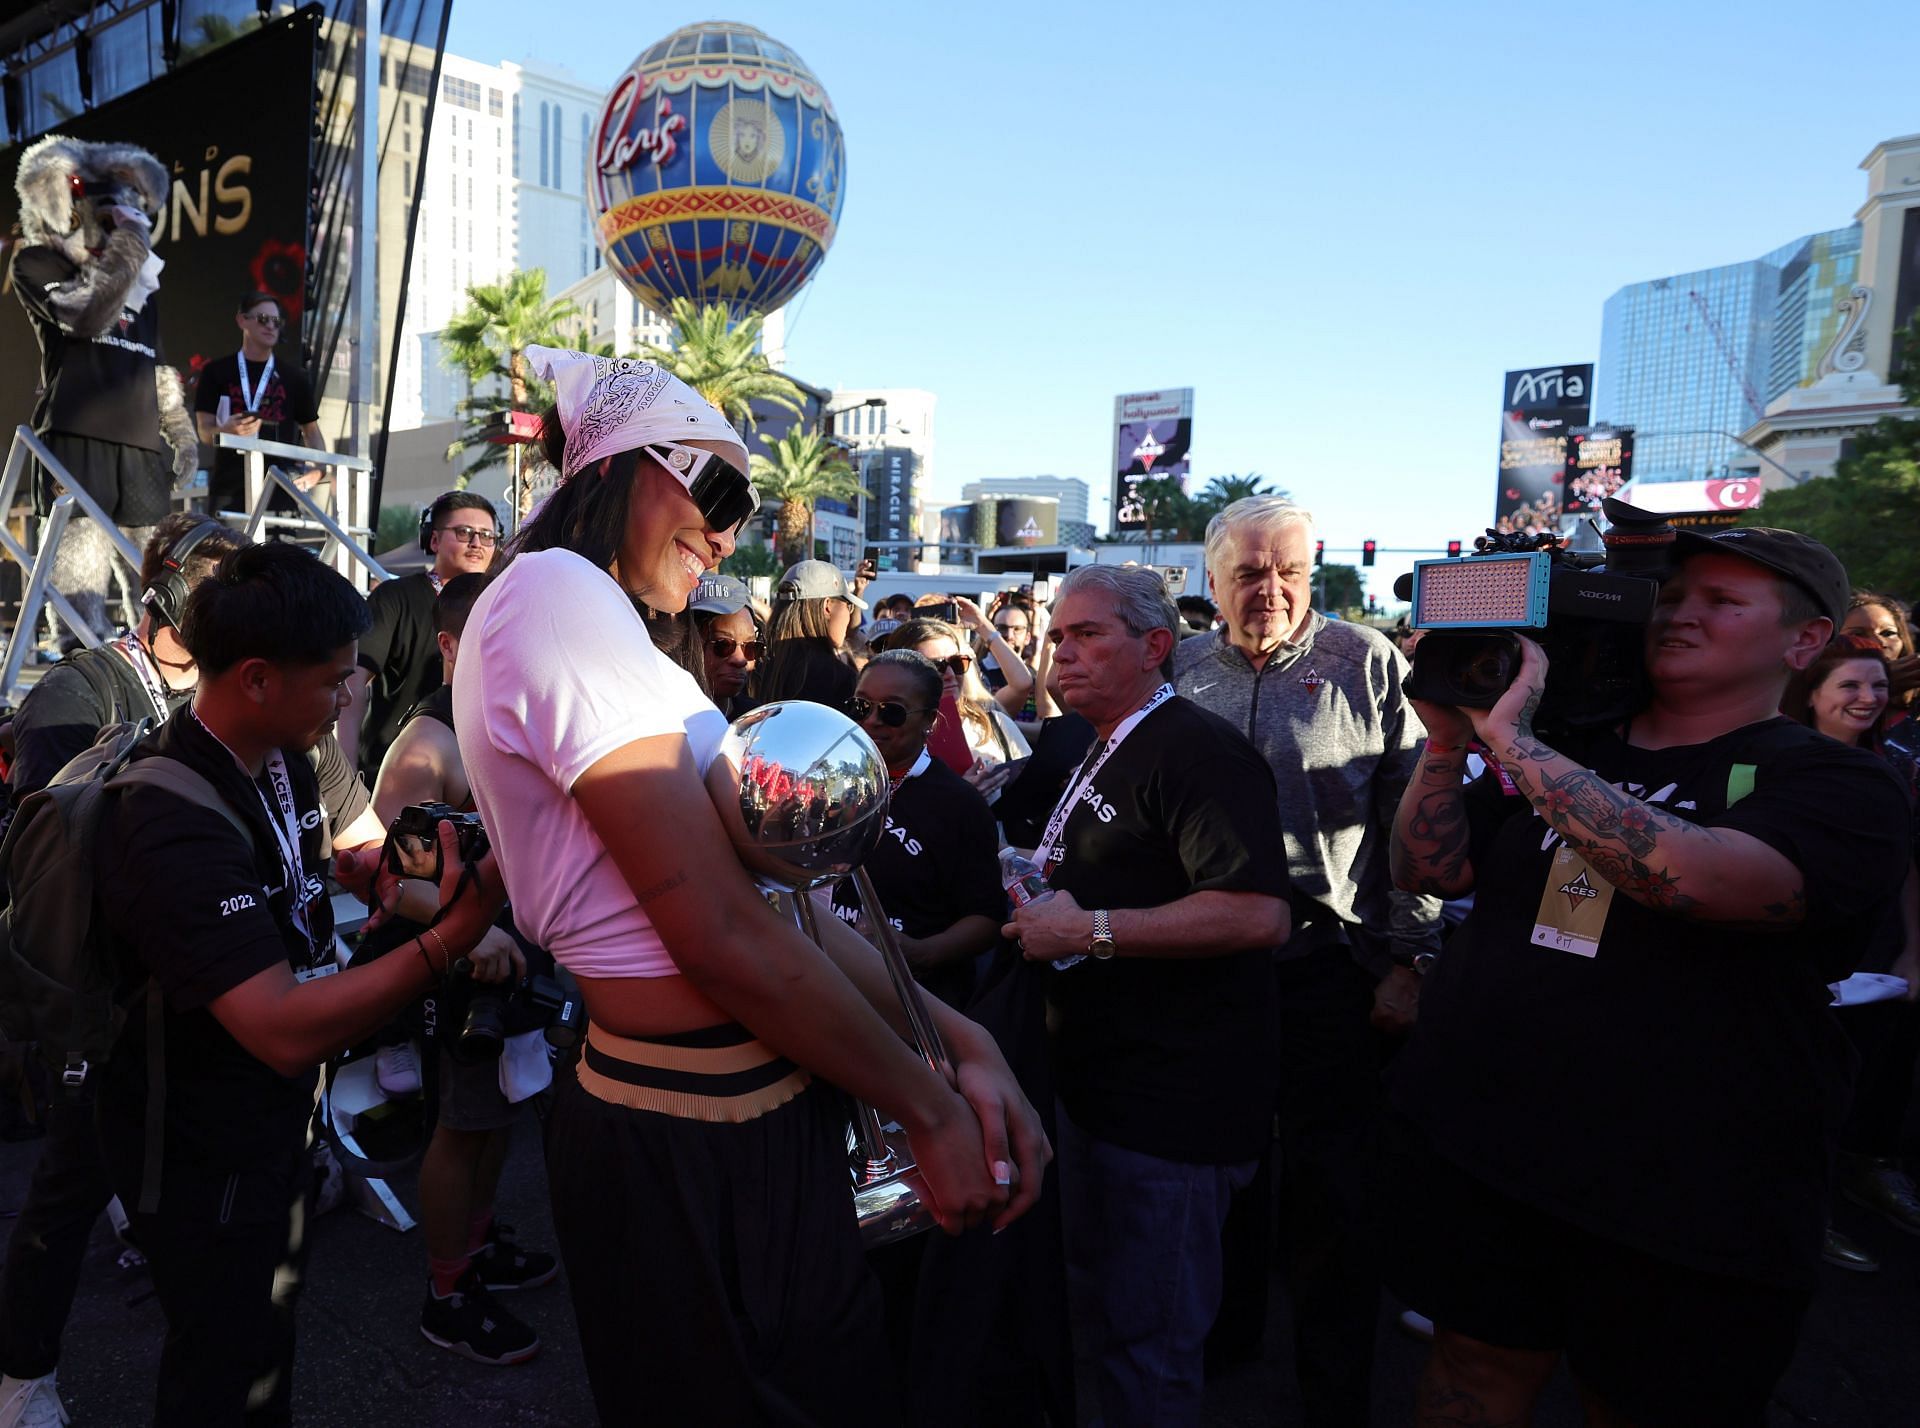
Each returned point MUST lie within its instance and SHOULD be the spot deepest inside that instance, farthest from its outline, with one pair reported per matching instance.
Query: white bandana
(614, 404)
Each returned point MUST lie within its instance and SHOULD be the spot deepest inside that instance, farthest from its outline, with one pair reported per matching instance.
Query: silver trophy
(813, 794)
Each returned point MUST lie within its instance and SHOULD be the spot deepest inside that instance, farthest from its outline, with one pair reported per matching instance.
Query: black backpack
(59, 985)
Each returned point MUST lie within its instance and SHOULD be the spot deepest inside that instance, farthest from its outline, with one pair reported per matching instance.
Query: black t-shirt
(283, 408)
(63, 714)
(1171, 1056)
(102, 387)
(937, 862)
(1678, 1090)
(185, 900)
(404, 658)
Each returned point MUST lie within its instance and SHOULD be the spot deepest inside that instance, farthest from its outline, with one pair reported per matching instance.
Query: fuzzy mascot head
(68, 189)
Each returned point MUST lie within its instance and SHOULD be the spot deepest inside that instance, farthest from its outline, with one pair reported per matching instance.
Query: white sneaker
(397, 1071)
(31, 1403)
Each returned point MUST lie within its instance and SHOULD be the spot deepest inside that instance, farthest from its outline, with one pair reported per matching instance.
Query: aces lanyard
(149, 676)
(286, 831)
(250, 394)
(1057, 824)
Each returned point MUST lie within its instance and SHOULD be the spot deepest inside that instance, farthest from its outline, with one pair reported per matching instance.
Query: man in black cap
(1621, 1099)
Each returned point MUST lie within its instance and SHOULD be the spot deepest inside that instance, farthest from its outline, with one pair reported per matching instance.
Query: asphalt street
(362, 1360)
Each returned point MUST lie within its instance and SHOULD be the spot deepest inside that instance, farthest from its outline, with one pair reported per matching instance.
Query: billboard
(236, 218)
(1539, 409)
(1599, 463)
(1151, 434)
(1024, 520)
(892, 480)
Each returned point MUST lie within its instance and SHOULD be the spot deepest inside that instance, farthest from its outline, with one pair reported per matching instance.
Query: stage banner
(1599, 463)
(233, 130)
(1151, 434)
(1540, 407)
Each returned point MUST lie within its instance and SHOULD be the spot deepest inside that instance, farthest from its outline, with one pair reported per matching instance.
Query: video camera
(1587, 610)
(413, 839)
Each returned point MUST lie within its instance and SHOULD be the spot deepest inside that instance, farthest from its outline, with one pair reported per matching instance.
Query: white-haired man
(1171, 891)
(1321, 700)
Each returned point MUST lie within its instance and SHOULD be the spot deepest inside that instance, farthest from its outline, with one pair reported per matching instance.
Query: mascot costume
(110, 412)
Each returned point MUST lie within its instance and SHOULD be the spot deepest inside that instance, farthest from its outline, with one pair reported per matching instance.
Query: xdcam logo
(1547, 387)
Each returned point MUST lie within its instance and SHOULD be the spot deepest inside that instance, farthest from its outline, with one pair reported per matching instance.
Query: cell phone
(946, 611)
(1043, 588)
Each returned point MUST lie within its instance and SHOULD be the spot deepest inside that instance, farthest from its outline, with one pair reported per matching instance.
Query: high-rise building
(1692, 360)
(1070, 491)
(502, 182)
(890, 431)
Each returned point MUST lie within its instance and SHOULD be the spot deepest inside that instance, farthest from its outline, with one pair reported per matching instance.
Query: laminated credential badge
(1573, 906)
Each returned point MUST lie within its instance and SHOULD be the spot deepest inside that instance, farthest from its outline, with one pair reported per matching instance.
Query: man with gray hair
(1170, 892)
(1322, 702)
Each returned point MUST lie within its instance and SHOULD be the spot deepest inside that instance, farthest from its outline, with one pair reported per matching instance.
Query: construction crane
(1727, 354)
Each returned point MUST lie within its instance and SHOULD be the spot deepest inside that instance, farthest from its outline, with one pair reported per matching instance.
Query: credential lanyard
(1057, 824)
(249, 394)
(285, 823)
(149, 677)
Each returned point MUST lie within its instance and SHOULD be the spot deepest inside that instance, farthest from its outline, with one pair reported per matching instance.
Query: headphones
(433, 512)
(166, 596)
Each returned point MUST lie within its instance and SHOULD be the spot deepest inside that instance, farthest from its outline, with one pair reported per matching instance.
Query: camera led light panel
(1508, 591)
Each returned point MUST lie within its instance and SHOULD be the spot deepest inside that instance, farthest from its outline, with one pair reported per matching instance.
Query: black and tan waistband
(719, 1073)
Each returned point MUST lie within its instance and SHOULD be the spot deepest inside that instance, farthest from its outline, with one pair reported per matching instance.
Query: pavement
(362, 1360)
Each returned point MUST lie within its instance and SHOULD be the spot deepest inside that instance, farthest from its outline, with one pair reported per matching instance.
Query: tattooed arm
(1429, 852)
(1657, 859)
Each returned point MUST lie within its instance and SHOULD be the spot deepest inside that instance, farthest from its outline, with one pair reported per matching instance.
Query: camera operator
(1624, 1090)
(469, 1256)
(699, 1178)
(233, 936)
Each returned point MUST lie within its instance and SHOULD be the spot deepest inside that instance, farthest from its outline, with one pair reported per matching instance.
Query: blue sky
(1340, 224)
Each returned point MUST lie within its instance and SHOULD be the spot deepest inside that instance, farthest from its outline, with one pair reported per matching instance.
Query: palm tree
(721, 364)
(1223, 491)
(804, 468)
(487, 341)
(1170, 512)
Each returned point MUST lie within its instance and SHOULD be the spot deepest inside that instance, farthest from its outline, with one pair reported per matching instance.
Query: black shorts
(1660, 1344)
(134, 486)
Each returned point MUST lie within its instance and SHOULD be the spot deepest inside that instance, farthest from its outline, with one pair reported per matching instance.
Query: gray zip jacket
(1328, 713)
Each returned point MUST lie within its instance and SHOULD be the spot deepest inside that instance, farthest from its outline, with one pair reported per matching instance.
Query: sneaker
(502, 1264)
(1416, 1324)
(469, 1322)
(31, 1403)
(1879, 1184)
(396, 1069)
(1843, 1253)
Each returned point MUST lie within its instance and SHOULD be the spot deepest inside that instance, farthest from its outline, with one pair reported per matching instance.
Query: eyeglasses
(1006, 630)
(891, 711)
(266, 319)
(471, 535)
(723, 646)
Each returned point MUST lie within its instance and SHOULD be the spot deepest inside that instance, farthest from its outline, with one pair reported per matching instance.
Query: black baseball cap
(1802, 559)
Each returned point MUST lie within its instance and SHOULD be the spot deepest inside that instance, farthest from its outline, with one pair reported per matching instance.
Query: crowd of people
(1536, 1030)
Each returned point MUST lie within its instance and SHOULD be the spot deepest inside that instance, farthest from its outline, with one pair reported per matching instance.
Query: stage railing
(352, 498)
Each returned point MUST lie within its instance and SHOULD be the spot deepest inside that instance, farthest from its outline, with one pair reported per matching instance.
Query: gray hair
(1139, 597)
(1261, 515)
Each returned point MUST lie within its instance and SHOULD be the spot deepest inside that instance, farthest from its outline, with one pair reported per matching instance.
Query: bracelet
(446, 957)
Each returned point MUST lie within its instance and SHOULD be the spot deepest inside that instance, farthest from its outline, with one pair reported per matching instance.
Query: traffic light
(1319, 552)
(1373, 602)
(1367, 548)
(1453, 550)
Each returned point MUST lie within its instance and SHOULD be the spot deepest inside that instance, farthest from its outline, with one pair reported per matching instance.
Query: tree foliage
(804, 468)
(1174, 515)
(1868, 511)
(721, 363)
(1337, 589)
(487, 340)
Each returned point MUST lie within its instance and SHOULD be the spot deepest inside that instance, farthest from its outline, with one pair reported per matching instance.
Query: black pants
(715, 1269)
(1887, 1036)
(1328, 1109)
(69, 1190)
(133, 485)
(227, 1254)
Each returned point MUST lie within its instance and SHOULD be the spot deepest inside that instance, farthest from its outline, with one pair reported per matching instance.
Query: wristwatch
(1100, 948)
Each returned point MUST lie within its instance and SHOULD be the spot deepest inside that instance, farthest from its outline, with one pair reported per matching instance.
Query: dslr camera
(413, 839)
(480, 1017)
(1587, 610)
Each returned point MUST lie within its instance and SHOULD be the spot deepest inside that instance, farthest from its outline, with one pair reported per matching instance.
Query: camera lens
(1483, 669)
(484, 1029)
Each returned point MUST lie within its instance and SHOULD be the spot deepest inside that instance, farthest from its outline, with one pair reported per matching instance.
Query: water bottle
(1025, 883)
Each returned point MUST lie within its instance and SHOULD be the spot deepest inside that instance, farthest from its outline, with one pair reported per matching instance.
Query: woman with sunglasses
(698, 1172)
(995, 740)
(729, 639)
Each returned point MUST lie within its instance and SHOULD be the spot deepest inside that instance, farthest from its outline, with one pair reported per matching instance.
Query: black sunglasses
(891, 711)
(724, 646)
(723, 493)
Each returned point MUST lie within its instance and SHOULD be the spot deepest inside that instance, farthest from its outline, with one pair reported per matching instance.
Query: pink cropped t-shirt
(555, 672)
